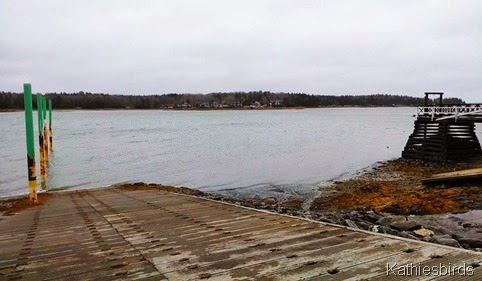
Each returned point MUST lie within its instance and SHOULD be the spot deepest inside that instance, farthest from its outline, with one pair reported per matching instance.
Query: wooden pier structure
(151, 234)
(444, 132)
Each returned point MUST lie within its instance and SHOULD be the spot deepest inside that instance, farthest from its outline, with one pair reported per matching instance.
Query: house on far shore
(204, 105)
(185, 105)
(236, 103)
(255, 104)
(276, 102)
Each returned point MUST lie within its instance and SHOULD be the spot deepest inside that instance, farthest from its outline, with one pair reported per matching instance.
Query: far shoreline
(7, 110)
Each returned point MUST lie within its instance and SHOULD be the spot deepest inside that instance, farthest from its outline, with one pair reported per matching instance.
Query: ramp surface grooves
(117, 234)
(25, 250)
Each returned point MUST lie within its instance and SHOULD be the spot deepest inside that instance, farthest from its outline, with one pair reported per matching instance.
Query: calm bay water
(283, 153)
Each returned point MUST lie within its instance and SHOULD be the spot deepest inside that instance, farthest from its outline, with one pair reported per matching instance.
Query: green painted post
(44, 103)
(32, 175)
(42, 110)
(50, 125)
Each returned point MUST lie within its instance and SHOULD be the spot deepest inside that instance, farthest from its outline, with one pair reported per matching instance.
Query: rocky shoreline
(389, 198)
(458, 228)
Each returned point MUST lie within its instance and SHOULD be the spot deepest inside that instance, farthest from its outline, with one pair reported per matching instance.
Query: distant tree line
(81, 100)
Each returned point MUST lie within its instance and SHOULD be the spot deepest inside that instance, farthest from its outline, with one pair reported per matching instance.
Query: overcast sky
(317, 47)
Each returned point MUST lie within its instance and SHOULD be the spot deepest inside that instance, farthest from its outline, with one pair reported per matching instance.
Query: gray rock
(354, 214)
(363, 224)
(406, 225)
(351, 224)
(388, 230)
(423, 232)
(396, 218)
(407, 235)
(372, 216)
(444, 230)
(445, 240)
(427, 238)
(473, 240)
(385, 221)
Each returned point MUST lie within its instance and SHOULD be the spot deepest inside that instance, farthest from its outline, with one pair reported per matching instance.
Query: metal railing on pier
(444, 112)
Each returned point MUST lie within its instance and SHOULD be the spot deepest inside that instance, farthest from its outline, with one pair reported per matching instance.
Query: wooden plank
(457, 175)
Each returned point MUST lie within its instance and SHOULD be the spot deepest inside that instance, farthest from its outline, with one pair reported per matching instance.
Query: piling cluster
(44, 138)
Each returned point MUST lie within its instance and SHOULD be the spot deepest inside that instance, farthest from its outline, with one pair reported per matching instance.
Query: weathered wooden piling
(41, 140)
(50, 125)
(29, 132)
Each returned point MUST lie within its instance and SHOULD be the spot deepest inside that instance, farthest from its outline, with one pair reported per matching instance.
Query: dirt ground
(12, 206)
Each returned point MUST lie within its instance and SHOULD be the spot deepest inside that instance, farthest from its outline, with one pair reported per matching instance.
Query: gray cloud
(319, 47)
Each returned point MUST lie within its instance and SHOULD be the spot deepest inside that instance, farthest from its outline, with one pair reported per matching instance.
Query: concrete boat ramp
(121, 234)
